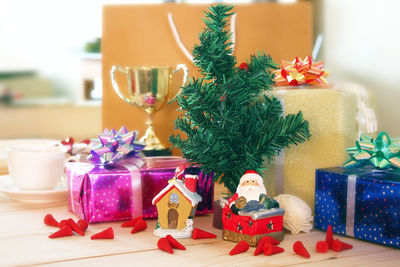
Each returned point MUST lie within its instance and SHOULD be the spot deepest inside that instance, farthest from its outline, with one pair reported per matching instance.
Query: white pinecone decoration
(298, 216)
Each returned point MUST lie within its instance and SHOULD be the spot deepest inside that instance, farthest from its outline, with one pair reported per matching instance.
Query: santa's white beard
(251, 192)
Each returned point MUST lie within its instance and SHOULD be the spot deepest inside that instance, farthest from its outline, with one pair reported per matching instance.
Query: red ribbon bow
(69, 144)
(300, 72)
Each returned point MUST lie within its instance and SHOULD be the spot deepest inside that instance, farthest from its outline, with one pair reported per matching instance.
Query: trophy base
(157, 152)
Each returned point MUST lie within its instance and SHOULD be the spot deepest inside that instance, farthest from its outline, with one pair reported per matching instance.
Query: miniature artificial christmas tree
(230, 123)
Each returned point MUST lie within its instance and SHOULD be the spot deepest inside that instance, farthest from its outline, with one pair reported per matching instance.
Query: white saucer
(58, 195)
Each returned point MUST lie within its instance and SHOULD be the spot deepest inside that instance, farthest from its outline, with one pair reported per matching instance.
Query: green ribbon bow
(382, 152)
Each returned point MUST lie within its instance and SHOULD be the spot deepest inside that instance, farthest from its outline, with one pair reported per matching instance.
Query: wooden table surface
(24, 241)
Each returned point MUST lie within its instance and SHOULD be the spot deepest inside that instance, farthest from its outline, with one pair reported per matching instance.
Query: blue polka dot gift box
(362, 199)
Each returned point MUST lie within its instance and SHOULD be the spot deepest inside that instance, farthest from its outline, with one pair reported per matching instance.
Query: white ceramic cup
(35, 167)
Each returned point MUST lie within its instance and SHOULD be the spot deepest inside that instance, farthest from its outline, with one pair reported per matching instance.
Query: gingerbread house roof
(193, 197)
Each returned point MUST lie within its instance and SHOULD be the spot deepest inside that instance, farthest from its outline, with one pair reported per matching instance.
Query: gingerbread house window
(174, 198)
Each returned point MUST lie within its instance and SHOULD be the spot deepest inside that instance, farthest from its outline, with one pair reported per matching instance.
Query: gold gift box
(331, 114)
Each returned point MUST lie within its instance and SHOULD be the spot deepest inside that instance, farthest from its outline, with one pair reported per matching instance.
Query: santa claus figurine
(251, 195)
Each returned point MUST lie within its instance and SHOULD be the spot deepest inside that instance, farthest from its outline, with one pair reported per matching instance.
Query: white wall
(362, 44)
(49, 35)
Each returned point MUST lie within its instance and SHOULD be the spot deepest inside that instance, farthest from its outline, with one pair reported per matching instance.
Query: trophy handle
(114, 68)
(184, 80)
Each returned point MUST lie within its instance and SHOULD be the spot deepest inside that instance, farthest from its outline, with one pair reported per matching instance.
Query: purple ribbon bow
(113, 146)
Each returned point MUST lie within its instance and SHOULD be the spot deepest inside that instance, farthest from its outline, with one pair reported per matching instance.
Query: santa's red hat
(250, 171)
(252, 175)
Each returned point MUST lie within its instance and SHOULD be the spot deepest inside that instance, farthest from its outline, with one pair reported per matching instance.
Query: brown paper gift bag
(135, 35)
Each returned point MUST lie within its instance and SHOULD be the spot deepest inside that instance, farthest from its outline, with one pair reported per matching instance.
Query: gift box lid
(366, 173)
(262, 214)
(163, 162)
(86, 167)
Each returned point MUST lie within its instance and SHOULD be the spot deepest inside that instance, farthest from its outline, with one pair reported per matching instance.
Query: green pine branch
(229, 128)
(214, 53)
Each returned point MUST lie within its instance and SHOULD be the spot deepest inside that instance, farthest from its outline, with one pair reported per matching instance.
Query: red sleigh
(252, 226)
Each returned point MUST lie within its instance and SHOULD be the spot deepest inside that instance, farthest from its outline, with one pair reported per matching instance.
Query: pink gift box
(99, 194)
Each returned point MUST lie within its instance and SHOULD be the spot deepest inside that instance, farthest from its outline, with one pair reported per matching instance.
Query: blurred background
(50, 61)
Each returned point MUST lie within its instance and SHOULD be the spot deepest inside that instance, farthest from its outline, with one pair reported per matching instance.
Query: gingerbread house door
(172, 219)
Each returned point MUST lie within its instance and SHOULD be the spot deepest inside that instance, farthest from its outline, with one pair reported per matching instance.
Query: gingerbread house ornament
(176, 206)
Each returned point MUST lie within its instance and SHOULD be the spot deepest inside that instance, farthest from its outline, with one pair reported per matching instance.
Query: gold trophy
(149, 88)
